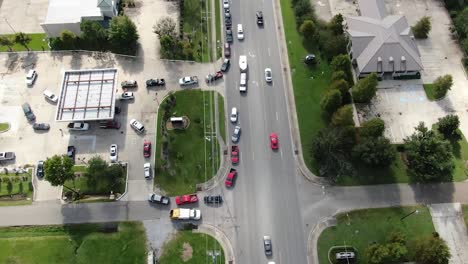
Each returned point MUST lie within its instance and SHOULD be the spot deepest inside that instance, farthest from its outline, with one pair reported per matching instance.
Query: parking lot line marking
(386, 96)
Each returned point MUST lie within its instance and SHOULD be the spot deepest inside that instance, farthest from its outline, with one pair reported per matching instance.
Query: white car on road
(127, 96)
(240, 32)
(137, 126)
(243, 63)
(234, 115)
(147, 169)
(188, 80)
(31, 77)
(113, 153)
(225, 4)
(268, 75)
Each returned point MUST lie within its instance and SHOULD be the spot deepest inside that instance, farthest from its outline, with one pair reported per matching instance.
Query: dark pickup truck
(7, 155)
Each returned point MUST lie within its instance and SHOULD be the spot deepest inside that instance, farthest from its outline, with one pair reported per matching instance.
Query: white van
(243, 63)
(50, 96)
(243, 82)
(240, 31)
(31, 77)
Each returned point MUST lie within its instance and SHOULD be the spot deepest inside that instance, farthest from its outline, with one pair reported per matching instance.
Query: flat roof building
(87, 95)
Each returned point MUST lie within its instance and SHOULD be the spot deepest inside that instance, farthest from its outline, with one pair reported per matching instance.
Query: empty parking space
(25, 16)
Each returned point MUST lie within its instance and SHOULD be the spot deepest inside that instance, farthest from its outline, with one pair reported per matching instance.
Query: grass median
(189, 247)
(195, 24)
(191, 155)
(38, 43)
(360, 228)
(465, 214)
(88, 243)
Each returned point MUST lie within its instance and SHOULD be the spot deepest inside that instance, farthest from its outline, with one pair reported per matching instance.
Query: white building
(68, 14)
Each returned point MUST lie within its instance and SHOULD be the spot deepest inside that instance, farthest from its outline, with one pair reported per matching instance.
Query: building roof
(87, 95)
(388, 40)
(71, 11)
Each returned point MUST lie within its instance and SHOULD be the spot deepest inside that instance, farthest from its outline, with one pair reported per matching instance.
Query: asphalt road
(265, 194)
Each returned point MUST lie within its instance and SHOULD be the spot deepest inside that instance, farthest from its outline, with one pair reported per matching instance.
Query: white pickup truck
(78, 126)
(185, 214)
(243, 63)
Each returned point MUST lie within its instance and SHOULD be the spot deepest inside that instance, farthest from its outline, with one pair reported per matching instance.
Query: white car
(50, 96)
(240, 32)
(243, 63)
(137, 126)
(147, 169)
(236, 134)
(188, 80)
(268, 75)
(113, 153)
(234, 115)
(127, 96)
(225, 4)
(31, 77)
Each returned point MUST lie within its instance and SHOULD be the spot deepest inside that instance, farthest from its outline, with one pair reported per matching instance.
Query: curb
(221, 238)
(290, 102)
(126, 182)
(312, 241)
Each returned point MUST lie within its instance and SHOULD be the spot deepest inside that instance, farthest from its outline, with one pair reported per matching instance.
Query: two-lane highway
(265, 194)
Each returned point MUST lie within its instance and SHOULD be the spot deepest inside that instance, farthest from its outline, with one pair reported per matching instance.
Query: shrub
(343, 116)
(374, 127)
(331, 101)
(365, 89)
(422, 28)
(441, 85)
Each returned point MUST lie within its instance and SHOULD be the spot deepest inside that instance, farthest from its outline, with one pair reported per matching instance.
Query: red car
(231, 178)
(147, 149)
(234, 154)
(274, 141)
(186, 199)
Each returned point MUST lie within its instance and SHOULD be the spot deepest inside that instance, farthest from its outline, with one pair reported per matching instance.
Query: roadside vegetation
(80, 182)
(439, 88)
(87, 243)
(388, 235)
(189, 247)
(121, 37)
(23, 42)
(189, 156)
(218, 21)
(458, 11)
(465, 214)
(4, 127)
(222, 118)
(16, 187)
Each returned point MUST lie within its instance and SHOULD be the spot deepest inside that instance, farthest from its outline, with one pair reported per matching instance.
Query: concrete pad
(448, 222)
(22, 16)
(46, 192)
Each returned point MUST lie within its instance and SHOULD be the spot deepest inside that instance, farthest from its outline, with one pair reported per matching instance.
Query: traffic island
(189, 156)
(4, 127)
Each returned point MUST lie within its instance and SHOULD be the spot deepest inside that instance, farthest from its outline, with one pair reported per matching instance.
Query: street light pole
(9, 25)
(414, 212)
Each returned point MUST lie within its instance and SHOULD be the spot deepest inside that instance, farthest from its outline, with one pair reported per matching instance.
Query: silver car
(236, 134)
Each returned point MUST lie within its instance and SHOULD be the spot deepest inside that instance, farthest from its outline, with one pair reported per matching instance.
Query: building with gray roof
(382, 43)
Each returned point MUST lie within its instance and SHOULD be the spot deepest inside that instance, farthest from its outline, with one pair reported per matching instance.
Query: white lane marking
(269, 52)
(253, 155)
(241, 157)
(281, 152)
(277, 116)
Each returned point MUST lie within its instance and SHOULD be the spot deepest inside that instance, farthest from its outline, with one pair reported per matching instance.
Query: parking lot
(25, 16)
(31, 146)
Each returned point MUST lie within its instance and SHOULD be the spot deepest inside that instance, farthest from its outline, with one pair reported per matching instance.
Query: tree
(378, 152)
(441, 85)
(303, 11)
(308, 29)
(166, 26)
(93, 35)
(377, 253)
(58, 170)
(115, 175)
(22, 39)
(9, 186)
(338, 75)
(365, 89)
(331, 101)
(342, 63)
(332, 45)
(331, 148)
(343, 116)
(431, 250)
(448, 126)
(429, 157)
(396, 252)
(123, 34)
(336, 24)
(461, 23)
(6, 41)
(68, 39)
(422, 28)
(96, 171)
(374, 127)
(340, 85)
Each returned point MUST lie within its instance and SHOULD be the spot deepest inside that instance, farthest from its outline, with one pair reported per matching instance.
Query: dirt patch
(187, 252)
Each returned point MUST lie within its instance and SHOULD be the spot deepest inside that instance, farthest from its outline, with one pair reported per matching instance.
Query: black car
(310, 59)
(259, 15)
(117, 110)
(210, 199)
(155, 82)
(227, 19)
(71, 152)
(225, 65)
(229, 36)
(40, 169)
(41, 126)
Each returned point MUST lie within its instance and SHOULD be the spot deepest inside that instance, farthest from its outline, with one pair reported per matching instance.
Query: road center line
(277, 116)
(253, 155)
(269, 52)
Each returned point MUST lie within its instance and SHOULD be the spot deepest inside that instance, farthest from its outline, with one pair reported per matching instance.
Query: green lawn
(309, 84)
(200, 32)
(100, 188)
(429, 88)
(190, 160)
(198, 244)
(222, 116)
(21, 188)
(74, 244)
(37, 43)
(4, 126)
(219, 20)
(374, 225)
(465, 214)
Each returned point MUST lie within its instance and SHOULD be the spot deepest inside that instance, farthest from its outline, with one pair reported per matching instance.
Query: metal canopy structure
(87, 95)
